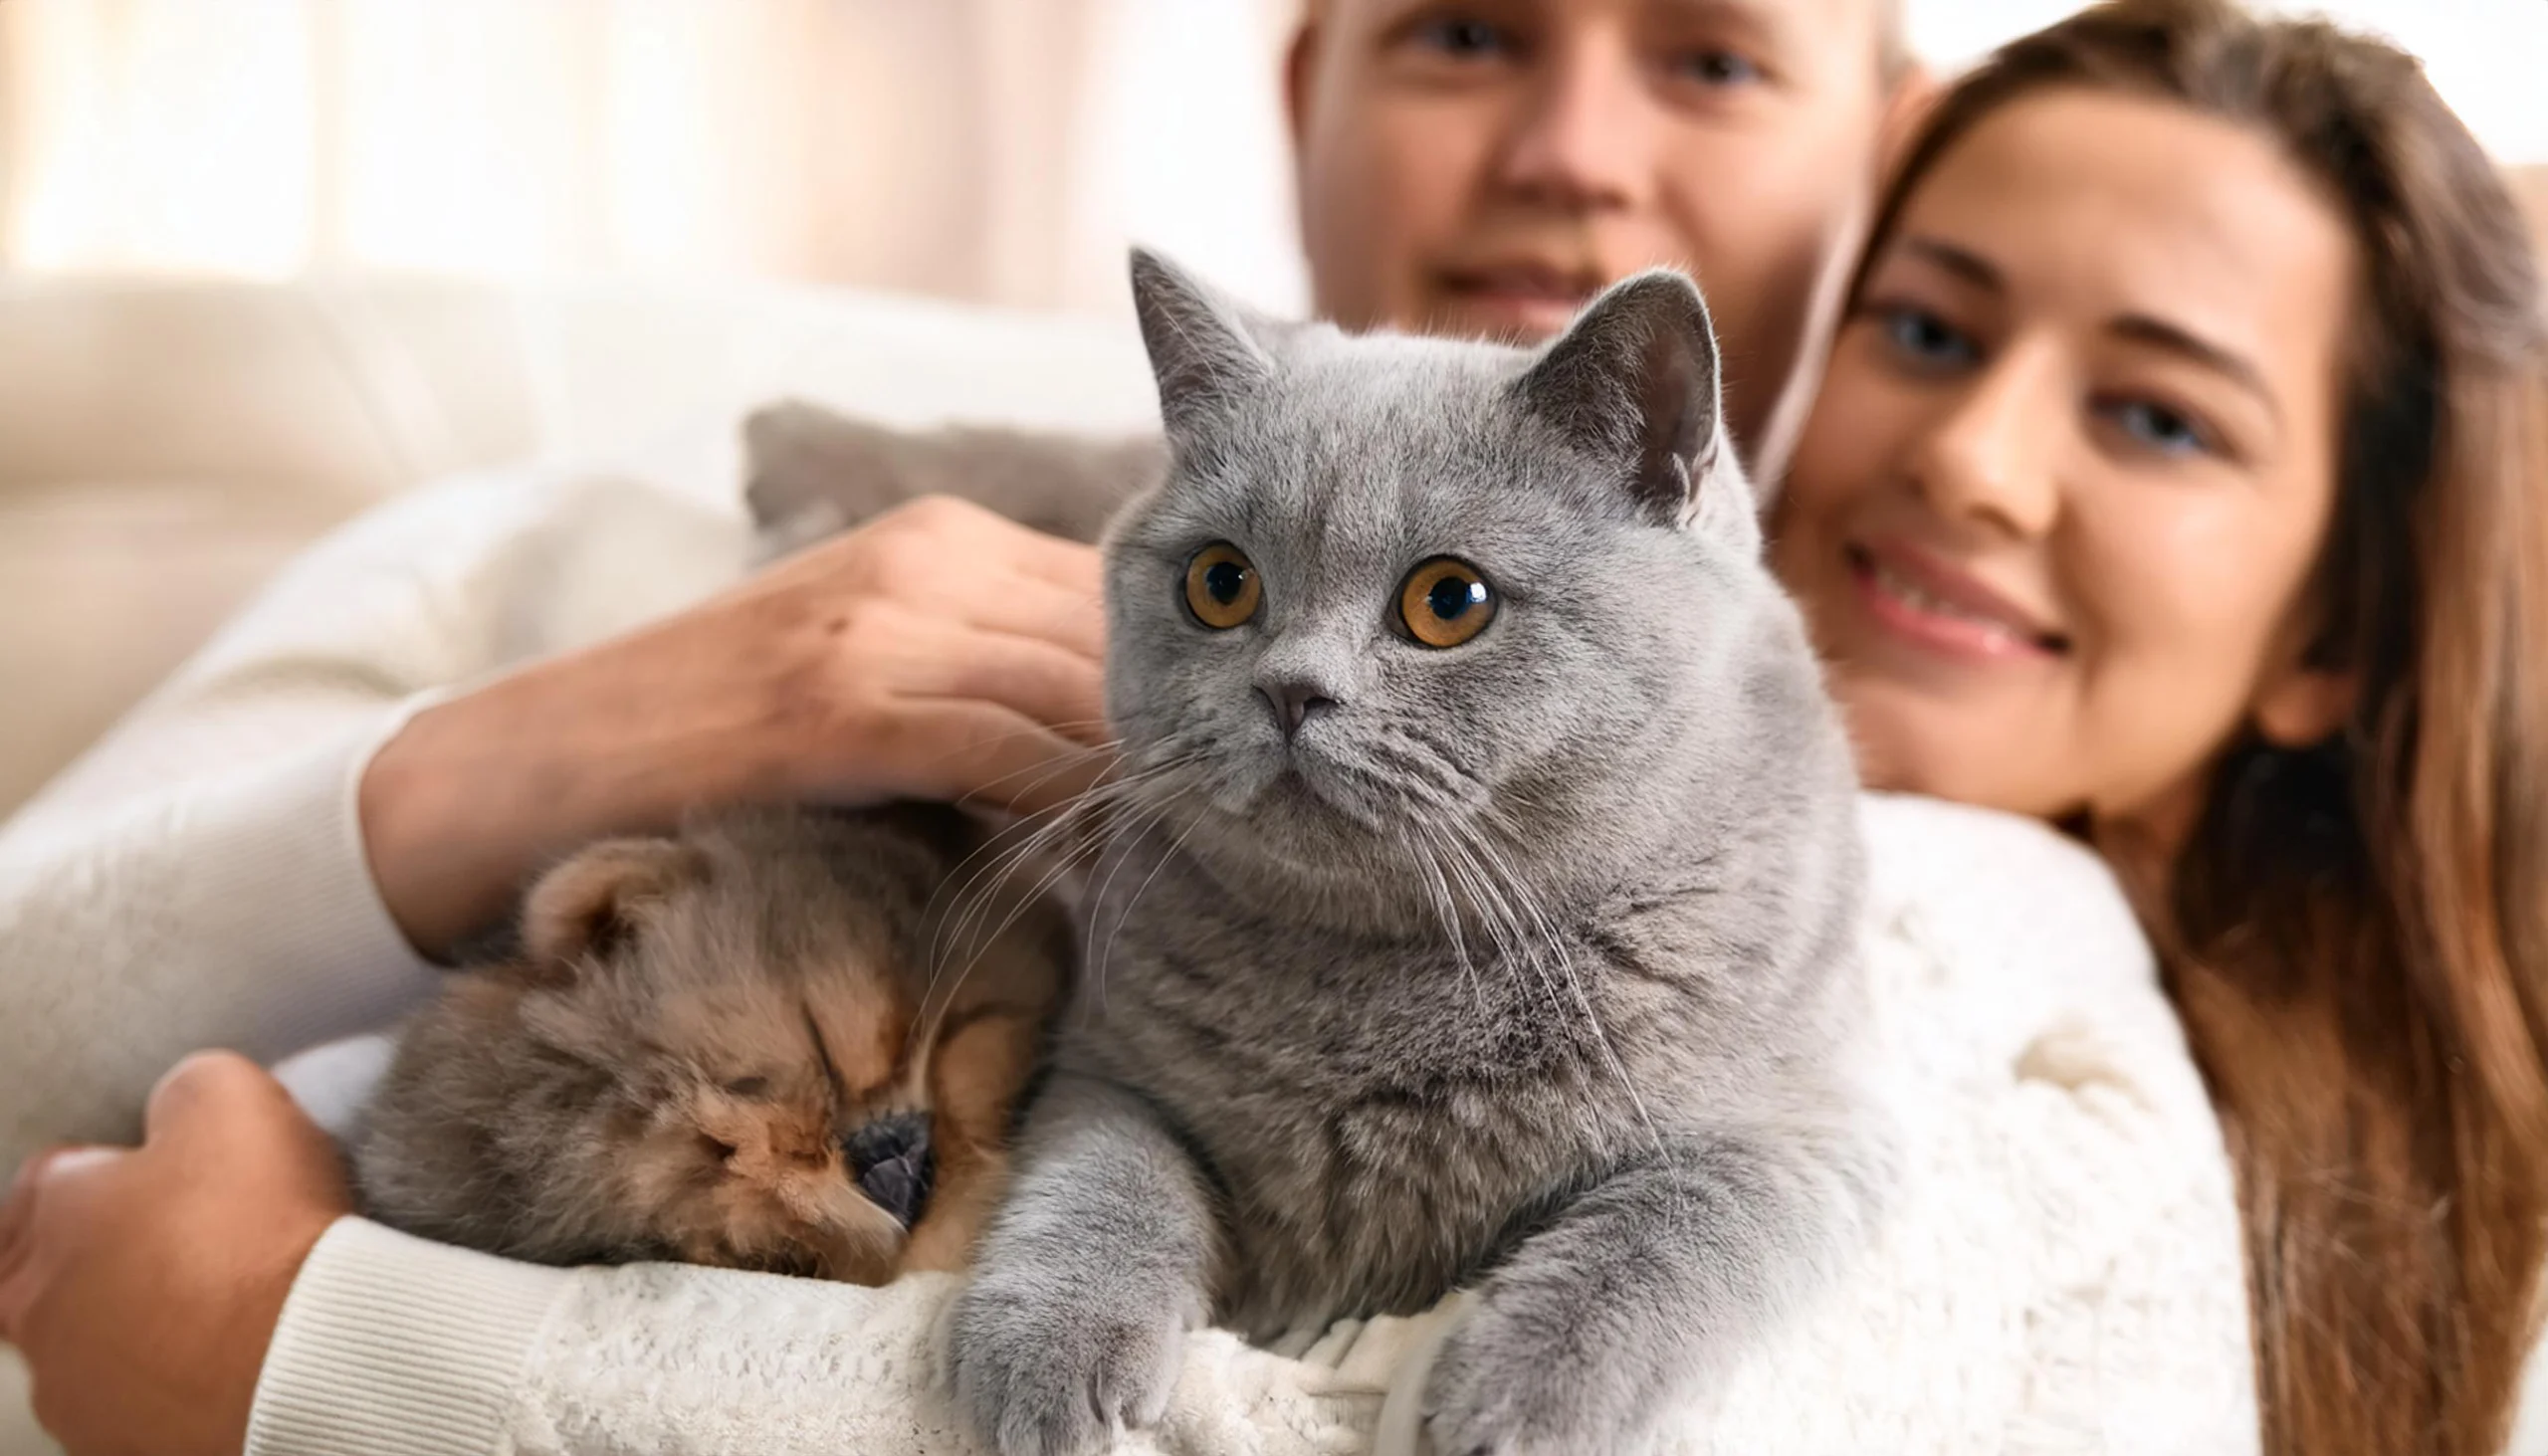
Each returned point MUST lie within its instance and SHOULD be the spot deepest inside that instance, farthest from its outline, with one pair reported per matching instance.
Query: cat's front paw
(1503, 1388)
(1043, 1370)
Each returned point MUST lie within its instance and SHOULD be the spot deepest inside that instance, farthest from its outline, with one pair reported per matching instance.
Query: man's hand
(142, 1285)
(937, 651)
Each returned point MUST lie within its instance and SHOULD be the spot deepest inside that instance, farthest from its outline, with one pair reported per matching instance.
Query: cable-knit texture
(2061, 1276)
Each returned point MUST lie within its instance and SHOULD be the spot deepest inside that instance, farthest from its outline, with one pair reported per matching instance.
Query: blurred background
(991, 150)
(266, 263)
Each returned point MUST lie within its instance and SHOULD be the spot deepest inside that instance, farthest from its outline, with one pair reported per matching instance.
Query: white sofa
(164, 445)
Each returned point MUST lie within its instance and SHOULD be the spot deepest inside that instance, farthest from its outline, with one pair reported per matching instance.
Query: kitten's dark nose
(1293, 701)
(890, 1161)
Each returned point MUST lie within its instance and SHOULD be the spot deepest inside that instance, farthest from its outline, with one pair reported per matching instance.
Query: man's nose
(1582, 139)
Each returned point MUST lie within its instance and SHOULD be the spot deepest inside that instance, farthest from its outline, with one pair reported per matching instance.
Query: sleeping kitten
(745, 1044)
(1480, 905)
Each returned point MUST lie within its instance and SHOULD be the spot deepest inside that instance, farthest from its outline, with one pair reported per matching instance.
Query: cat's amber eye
(1221, 588)
(1445, 602)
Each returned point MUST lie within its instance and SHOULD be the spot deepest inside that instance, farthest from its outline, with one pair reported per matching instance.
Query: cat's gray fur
(1529, 961)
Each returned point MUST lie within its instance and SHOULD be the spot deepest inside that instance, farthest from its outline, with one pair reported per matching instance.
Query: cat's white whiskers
(981, 890)
(1130, 834)
(1061, 868)
(1445, 906)
(1511, 943)
(1493, 863)
(1046, 773)
(1063, 820)
(1096, 967)
(979, 904)
(1503, 928)
(1030, 839)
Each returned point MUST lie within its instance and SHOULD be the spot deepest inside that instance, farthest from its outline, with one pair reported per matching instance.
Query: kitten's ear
(1634, 380)
(590, 904)
(1203, 345)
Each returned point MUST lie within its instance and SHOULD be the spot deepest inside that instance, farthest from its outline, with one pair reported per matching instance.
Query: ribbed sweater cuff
(391, 1346)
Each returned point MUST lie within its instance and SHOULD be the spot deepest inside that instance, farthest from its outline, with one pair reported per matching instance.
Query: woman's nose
(1989, 458)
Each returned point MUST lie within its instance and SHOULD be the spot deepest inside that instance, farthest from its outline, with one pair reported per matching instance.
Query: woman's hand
(142, 1285)
(938, 652)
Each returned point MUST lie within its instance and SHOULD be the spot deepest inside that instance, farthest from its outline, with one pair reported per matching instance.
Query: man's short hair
(1892, 46)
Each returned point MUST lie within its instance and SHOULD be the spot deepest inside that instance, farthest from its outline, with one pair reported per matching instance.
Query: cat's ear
(588, 907)
(1634, 381)
(1203, 345)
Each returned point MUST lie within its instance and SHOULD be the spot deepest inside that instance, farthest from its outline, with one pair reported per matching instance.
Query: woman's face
(2055, 511)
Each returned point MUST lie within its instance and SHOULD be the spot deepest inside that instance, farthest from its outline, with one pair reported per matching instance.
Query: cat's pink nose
(1293, 703)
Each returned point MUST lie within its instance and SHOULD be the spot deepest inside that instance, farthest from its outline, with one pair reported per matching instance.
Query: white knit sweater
(2064, 1275)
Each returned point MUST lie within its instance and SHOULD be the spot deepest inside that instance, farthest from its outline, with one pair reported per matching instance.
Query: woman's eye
(1463, 38)
(2171, 431)
(1221, 586)
(1445, 602)
(1717, 68)
(1923, 337)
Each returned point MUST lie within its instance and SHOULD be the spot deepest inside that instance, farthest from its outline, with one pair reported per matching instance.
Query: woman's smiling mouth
(1916, 597)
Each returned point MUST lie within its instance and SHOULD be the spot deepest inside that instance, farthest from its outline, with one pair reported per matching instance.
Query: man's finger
(203, 1090)
(18, 1212)
(990, 757)
(1048, 685)
(18, 1220)
(1066, 564)
(1071, 618)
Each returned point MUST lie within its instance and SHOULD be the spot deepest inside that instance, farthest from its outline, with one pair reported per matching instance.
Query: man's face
(1483, 167)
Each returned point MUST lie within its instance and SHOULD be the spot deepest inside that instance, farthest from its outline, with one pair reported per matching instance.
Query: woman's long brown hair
(2356, 937)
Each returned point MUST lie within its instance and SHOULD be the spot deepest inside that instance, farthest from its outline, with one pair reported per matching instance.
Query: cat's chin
(1293, 856)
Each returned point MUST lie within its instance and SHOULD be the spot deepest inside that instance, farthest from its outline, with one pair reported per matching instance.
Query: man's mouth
(1532, 299)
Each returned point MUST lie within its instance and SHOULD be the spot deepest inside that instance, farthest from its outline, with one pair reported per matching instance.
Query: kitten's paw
(1501, 1390)
(1043, 1372)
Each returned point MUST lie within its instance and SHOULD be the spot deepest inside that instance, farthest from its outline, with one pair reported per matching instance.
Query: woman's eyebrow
(1964, 264)
(2176, 340)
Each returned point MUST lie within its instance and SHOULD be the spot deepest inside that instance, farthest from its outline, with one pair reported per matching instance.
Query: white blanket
(2062, 1276)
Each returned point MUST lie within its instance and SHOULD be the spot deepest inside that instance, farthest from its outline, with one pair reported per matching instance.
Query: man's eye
(1924, 337)
(1717, 68)
(1463, 38)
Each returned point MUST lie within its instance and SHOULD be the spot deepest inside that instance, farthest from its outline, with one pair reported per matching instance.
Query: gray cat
(1480, 905)
(1481, 901)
